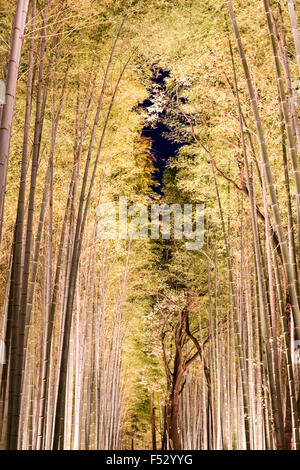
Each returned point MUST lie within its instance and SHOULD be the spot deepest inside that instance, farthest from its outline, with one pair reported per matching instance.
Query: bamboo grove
(140, 343)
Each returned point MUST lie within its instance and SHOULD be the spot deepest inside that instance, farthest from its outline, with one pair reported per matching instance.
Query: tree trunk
(152, 418)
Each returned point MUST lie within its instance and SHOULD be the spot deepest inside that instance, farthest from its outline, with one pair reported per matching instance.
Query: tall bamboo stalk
(10, 96)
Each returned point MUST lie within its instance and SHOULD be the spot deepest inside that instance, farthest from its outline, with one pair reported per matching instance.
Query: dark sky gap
(162, 148)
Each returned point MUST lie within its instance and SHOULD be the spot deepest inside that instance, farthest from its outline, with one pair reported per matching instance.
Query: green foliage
(190, 40)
